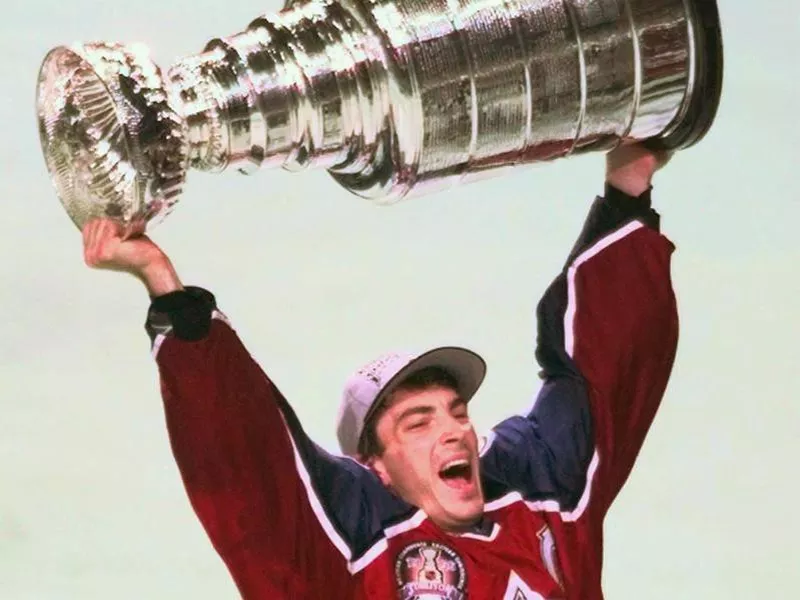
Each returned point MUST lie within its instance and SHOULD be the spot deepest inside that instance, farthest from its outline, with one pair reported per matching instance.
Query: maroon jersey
(291, 520)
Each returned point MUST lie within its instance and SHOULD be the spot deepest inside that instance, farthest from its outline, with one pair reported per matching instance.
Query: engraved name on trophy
(394, 98)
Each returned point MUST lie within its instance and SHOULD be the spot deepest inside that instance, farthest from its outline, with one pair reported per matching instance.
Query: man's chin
(463, 507)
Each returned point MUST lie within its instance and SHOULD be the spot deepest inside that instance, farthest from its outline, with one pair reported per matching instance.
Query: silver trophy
(394, 98)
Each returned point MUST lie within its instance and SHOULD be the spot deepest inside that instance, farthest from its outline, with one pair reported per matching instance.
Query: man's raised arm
(607, 333)
(287, 518)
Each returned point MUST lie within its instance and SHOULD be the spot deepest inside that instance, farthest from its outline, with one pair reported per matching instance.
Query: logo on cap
(377, 368)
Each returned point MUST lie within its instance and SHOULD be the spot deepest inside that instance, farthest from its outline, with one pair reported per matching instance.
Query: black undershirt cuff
(621, 207)
(186, 313)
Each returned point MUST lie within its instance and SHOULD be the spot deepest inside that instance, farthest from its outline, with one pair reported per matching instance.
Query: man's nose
(454, 430)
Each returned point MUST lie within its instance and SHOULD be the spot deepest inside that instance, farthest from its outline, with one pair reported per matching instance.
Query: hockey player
(416, 505)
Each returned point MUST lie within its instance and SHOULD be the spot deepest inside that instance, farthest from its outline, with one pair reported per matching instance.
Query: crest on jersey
(518, 590)
(430, 571)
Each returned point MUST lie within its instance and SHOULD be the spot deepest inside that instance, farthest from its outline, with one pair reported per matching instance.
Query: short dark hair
(429, 377)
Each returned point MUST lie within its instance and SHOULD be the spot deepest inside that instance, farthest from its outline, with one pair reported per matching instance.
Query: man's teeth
(457, 468)
(459, 462)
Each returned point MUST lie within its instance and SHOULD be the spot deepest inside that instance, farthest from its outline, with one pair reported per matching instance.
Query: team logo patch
(430, 571)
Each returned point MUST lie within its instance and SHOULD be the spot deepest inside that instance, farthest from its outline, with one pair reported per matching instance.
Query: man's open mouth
(457, 473)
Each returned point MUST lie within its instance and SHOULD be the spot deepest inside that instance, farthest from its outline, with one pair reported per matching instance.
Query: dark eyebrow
(414, 410)
(456, 402)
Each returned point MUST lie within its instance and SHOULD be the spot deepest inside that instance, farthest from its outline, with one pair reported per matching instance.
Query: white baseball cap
(366, 389)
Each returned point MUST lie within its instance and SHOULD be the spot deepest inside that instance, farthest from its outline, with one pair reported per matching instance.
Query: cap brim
(465, 366)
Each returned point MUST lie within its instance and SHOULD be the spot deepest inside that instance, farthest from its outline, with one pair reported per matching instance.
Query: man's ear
(378, 467)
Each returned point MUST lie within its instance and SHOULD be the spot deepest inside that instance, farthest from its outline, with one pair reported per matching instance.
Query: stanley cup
(394, 98)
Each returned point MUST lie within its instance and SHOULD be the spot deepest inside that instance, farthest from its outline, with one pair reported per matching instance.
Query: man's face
(430, 456)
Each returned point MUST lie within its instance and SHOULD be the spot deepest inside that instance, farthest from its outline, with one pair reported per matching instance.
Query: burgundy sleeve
(236, 457)
(622, 334)
(606, 339)
(620, 330)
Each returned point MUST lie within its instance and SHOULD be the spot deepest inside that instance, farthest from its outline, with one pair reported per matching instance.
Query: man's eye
(413, 425)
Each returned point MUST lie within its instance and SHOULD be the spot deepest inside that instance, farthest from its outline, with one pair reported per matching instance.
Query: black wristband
(615, 196)
(624, 207)
(186, 314)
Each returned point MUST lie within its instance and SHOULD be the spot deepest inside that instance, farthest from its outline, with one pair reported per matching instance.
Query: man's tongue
(457, 476)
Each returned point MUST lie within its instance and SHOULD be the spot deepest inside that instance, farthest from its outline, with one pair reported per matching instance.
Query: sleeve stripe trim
(157, 345)
(552, 505)
(381, 546)
(316, 505)
(599, 246)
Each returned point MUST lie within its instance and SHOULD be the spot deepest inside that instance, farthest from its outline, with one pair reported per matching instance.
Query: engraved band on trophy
(394, 98)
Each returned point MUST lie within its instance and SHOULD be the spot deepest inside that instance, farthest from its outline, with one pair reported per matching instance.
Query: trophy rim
(147, 140)
(72, 205)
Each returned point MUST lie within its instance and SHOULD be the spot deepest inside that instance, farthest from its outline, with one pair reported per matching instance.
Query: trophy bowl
(111, 141)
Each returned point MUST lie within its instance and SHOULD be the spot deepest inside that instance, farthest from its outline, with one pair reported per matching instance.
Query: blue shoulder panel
(356, 505)
(545, 454)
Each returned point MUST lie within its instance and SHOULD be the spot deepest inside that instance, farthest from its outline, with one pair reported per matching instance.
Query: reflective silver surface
(112, 144)
(394, 98)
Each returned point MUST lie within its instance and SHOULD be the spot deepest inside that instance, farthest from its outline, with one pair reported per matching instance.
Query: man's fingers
(89, 234)
(100, 239)
(85, 233)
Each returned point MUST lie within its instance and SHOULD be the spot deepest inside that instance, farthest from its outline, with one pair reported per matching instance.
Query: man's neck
(482, 526)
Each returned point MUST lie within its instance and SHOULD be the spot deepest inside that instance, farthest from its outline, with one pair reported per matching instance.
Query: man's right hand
(630, 167)
(105, 248)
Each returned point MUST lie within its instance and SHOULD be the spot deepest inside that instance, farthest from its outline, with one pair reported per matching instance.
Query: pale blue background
(318, 281)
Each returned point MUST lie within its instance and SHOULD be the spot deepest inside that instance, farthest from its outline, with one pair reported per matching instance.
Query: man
(419, 508)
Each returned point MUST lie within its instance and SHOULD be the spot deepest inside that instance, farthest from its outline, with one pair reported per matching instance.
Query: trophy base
(699, 114)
